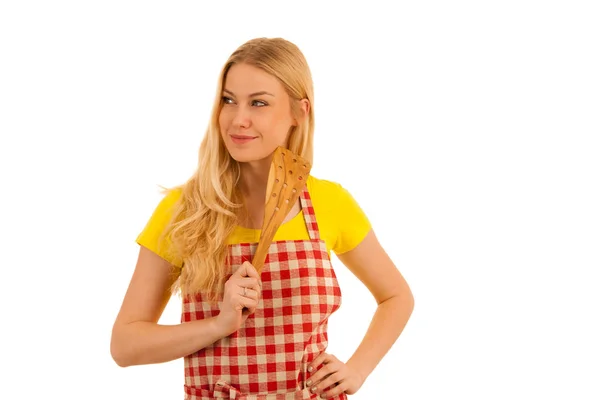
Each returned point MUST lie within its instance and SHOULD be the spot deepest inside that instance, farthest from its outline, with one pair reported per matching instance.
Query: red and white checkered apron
(267, 358)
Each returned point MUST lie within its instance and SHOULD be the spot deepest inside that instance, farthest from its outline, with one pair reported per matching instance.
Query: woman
(245, 335)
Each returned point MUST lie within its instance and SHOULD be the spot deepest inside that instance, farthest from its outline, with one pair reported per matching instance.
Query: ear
(303, 108)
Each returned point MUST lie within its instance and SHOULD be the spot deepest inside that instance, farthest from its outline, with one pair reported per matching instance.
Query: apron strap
(309, 215)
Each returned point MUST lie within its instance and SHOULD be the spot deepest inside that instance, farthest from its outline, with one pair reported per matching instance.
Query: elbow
(409, 301)
(119, 353)
(402, 299)
(403, 302)
(118, 357)
(410, 305)
(120, 361)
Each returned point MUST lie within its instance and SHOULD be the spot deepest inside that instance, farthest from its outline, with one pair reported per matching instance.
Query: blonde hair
(205, 214)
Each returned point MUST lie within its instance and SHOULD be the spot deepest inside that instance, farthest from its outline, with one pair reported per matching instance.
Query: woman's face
(256, 116)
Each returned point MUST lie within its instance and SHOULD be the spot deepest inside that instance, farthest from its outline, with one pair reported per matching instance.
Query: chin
(243, 156)
(247, 155)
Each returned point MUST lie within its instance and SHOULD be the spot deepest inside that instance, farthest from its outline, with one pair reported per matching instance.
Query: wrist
(219, 328)
(356, 367)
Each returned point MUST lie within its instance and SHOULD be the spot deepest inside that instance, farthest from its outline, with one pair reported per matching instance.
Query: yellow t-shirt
(342, 223)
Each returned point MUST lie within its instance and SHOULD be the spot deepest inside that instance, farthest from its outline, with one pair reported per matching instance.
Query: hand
(240, 298)
(335, 373)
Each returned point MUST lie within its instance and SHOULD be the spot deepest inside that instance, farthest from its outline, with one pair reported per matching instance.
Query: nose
(241, 117)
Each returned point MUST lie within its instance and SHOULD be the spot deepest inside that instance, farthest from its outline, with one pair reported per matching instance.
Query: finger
(316, 382)
(251, 270)
(245, 302)
(254, 274)
(340, 388)
(242, 271)
(246, 269)
(321, 374)
(246, 282)
(326, 383)
(237, 285)
(249, 293)
(257, 288)
(320, 359)
(330, 365)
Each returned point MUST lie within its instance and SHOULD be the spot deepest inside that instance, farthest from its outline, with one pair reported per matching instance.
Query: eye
(259, 103)
(227, 100)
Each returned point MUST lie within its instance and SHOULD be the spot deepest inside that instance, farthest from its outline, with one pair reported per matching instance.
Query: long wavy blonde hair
(205, 214)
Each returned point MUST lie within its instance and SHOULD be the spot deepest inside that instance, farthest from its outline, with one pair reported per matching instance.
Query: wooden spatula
(287, 178)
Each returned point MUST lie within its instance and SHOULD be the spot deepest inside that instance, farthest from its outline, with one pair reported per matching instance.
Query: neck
(254, 178)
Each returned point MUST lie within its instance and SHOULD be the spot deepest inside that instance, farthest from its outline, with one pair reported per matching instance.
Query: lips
(241, 139)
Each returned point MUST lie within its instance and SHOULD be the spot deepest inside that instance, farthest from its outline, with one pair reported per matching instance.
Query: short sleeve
(352, 223)
(150, 237)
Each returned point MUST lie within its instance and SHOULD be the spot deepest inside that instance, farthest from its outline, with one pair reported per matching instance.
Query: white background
(467, 130)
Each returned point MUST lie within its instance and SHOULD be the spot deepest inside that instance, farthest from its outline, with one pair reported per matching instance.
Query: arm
(136, 336)
(371, 265)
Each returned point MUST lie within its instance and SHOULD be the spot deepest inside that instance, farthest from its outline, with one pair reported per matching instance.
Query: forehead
(243, 79)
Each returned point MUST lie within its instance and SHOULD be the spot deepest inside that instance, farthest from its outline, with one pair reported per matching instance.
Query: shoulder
(338, 213)
(324, 188)
(151, 236)
(163, 211)
(170, 198)
(327, 194)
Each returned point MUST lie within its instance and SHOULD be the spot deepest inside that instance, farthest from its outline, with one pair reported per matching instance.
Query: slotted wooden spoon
(287, 178)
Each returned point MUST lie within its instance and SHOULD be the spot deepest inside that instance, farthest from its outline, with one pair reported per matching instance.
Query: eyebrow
(261, 93)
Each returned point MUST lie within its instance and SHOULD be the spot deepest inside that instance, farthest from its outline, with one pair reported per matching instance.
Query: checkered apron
(268, 357)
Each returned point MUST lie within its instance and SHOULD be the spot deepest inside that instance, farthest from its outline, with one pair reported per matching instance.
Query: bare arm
(372, 266)
(137, 338)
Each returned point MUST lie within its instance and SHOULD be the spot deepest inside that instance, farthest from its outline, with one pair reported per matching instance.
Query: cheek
(276, 124)
(223, 120)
